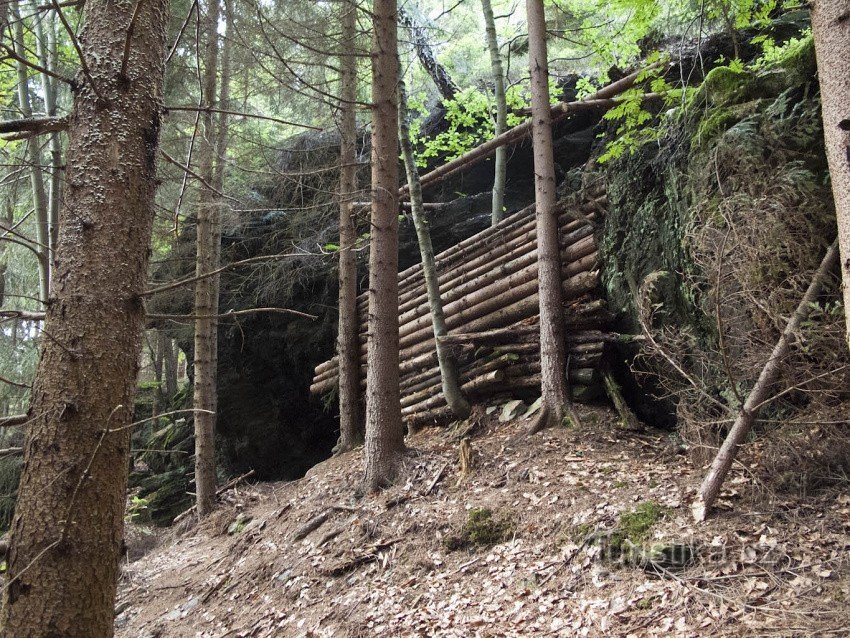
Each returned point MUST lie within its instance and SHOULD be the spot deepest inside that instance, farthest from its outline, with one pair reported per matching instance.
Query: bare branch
(235, 264)
(76, 43)
(14, 420)
(233, 313)
(129, 39)
(197, 177)
(209, 109)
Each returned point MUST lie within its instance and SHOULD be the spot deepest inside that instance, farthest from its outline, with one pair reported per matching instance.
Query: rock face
(730, 205)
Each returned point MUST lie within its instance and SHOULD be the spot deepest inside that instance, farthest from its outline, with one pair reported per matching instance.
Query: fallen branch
(710, 488)
(313, 524)
(344, 567)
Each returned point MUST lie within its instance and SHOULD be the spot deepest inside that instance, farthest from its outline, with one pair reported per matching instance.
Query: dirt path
(380, 565)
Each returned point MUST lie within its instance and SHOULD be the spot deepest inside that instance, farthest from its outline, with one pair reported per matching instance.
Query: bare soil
(378, 565)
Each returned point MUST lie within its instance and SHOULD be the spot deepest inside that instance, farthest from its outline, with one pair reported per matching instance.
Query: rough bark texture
(553, 360)
(831, 28)
(501, 159)
(348, 342)
(448, 366)
(710, 488)
(384, 437)
(39, 195)
(206, 289)
(68, 526)
(442, 80)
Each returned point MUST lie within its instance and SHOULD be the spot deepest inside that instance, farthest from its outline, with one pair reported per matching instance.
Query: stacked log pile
(488, 284)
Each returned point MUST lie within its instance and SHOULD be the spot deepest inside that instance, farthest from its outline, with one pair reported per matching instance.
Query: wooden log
(492, 337)
(488, 252)
(467, 374)
(484, 382)
(504, 257)
(500, 279)
(515, 224)
(578, 279)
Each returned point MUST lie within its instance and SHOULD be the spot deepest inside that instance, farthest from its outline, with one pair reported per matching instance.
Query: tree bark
(713, 481)
(553, 360)
(384, 436)
(170, 366)
(205, 399)
(39, 196)
(501, 159)
(442, 80)
(68, 526)
(448, 366)
(831, 28)
(348, 340)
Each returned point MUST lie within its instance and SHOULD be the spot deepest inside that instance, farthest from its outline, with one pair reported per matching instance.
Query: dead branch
(235, 264)
(233, 313)
(209, 109)
(14, 420)
(313, 524)
(13, 130)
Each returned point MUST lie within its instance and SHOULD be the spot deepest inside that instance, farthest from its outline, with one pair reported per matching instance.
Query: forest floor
(380, 565)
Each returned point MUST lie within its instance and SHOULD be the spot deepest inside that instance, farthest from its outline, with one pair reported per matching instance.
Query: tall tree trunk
(157, 360)
(206, 289)
(47, 54)
(427, 58)
(501, 159)
(348, 342)
(68, 527)
(552, 357)
(7, 220)
(169, 364)
(384, 437)
(448, 366)
(33, 156)
(831, 27)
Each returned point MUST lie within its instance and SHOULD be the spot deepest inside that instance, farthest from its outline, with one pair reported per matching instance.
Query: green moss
(635, 526)
(724, 85)
(577, 534)
(481, 529)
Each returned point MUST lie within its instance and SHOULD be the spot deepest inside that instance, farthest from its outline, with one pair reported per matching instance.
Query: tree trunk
(206, 289)
(68, 526)
(501, 158)
(157, 359)
(169, 366)
(39, 197)
(7, 220)
(47, 54)
(831, 28)
(442, 80)
(448, 366)
(553, 361)
(384, 436)
(710, 488)
(348, 341)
